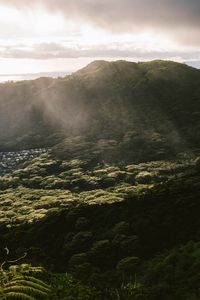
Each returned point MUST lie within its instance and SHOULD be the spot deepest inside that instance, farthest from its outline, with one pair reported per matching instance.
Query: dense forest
(141, 111)
(100, 184)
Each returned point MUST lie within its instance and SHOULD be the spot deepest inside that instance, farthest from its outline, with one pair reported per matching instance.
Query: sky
(65, 35)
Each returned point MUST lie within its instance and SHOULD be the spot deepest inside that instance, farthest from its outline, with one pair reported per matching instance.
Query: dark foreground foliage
(129, 240)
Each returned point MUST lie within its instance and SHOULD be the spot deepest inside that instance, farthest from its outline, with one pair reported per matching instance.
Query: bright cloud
(64, 35)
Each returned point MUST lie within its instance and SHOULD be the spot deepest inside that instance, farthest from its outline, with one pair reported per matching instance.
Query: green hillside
(100, 184)
(137, 111)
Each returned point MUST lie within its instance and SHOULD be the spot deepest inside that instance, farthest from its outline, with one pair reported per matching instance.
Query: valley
(9, 161)
(99, 183)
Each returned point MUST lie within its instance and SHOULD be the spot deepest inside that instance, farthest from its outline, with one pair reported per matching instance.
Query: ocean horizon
(30, 76)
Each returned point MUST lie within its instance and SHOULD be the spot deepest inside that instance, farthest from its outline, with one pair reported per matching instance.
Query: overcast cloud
(84, 30)
(178, 18)
(56, 50)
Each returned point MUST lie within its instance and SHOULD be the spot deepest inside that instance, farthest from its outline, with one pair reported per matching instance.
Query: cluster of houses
(9, 161)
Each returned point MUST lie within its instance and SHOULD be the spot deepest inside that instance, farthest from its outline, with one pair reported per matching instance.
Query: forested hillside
(100, 184)
(137, 111)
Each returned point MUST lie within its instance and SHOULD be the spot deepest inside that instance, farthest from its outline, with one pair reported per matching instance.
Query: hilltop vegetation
(123, 110)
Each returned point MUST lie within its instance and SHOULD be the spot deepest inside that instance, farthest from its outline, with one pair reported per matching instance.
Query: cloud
(193, 63)
(177, 18)
(113, 50)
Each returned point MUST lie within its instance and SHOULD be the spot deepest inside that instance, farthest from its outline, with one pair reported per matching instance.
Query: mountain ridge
(147, 104)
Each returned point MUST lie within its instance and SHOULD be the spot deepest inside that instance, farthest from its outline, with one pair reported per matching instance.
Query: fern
(28, 283)
(2, 296)
(18, 296)
(18, 285)
(33, 280)
(25, 289)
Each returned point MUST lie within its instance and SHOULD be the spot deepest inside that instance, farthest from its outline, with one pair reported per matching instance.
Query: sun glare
(26, 32)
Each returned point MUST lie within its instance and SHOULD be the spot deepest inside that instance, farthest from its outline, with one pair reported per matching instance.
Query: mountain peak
(153, 106)
(99, 66)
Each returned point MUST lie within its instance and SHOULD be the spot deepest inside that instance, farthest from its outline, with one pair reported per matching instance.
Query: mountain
(117, 110)
(108, 200)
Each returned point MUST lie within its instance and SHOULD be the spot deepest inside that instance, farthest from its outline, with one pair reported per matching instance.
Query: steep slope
(116, 110)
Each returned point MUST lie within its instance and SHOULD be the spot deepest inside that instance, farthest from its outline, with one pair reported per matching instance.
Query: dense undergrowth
(121, 231)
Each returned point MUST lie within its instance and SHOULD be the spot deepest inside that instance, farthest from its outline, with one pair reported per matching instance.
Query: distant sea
(29, 76)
